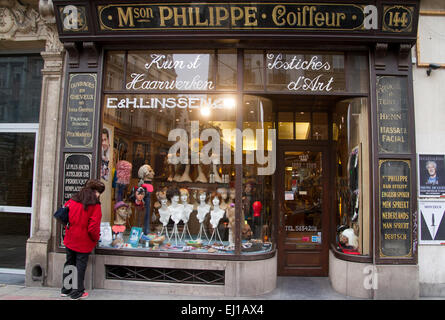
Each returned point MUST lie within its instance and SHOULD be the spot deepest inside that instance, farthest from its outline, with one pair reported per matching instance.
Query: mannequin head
(122, 211)
(223, 192)
(232, 194)
(139, 194)
(216, 199)
(146, 173)
(202, 196)
(184, 195)
(173, 195)
(348, 238)
(163, 202)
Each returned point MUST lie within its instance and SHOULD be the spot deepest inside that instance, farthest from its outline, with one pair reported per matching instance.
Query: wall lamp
(431, 67)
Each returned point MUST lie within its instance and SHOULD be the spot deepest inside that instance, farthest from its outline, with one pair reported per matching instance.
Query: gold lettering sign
(237, 16)
(397, 19)
(79, 130)
(395, 209)
(392, 114)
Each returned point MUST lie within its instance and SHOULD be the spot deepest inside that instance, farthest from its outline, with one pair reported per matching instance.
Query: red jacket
(84, 227)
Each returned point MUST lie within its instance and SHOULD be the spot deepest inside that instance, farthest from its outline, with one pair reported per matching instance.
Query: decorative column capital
(46, 10)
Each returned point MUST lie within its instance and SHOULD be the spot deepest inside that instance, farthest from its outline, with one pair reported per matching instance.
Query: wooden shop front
(295, 119)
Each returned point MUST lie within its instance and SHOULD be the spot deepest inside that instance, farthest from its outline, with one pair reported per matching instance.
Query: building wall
(429, 104)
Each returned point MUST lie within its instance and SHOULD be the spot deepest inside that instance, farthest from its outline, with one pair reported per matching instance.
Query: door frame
(324, 148)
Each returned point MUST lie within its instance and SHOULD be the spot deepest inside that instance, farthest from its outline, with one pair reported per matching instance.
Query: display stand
(216, 234)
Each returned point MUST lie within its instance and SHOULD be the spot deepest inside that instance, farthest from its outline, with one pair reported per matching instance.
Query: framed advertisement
(431, 175)
(432, 222)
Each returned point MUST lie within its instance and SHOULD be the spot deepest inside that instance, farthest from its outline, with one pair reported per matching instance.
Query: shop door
(303, 212)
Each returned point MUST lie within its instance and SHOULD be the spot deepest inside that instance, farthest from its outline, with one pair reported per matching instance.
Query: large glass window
(294, 72)
(168, 151)
(172, 136)
(259, 157)
(350, 132)
(20, 91)
(16, 169)
(20, 86)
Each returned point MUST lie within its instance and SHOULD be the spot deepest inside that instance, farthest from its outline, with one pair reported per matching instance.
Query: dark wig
(172, 192)
(87, 195)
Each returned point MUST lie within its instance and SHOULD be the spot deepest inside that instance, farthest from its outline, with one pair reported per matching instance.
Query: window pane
(256, 226)
(302, 125)
(226, 75)
(358, 77)
(352, 168)
(320, 126)
(114, 70)
(285, 125)
(151, 131)
(253, 70)
(303, 197)
(305, 72)
(20, 89)
(181, 70)
(16, 169)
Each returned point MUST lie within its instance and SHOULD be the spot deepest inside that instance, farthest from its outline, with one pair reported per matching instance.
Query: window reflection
(285, 125)
(256, 226)
(20, 89)
(16, 169)
(352, 162)
(181, 70)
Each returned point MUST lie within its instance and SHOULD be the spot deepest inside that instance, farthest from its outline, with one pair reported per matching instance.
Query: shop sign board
(80, 117)
(395, 214)
(237, 16)
(431, 175)
(432, 222)
(76, 172)
(253, 16)
(392, 114)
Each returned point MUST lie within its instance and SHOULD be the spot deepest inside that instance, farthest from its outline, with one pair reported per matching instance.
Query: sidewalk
(12, 287)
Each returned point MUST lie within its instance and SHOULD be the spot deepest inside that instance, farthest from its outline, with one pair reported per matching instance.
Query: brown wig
(217, 195)
(87, 195)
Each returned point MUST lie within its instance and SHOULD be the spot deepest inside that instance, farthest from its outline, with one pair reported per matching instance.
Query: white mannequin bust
(164, 212)
(203, 208)
(188, 208)
(176, 209)
(217, 213)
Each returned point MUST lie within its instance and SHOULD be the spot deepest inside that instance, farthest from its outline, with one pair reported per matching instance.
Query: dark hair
(105, 131)
(172, 192)
(87, 195)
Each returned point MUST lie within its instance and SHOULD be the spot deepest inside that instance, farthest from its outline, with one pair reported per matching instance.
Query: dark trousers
(80, 261)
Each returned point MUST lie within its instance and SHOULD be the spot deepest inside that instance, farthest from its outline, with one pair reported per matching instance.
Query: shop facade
(238, 142)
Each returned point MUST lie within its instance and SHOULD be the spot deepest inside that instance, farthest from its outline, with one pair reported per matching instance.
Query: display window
(188, 152)
(352, 175)
(170, 145)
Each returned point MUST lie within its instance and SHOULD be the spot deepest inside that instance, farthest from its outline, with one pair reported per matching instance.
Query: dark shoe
(66, 293)
(79, 295)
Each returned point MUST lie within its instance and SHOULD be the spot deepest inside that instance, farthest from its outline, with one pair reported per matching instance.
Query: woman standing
(82, 234)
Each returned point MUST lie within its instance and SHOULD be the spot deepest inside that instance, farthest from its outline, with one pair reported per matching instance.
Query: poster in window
(431, 175)
(432, 222)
